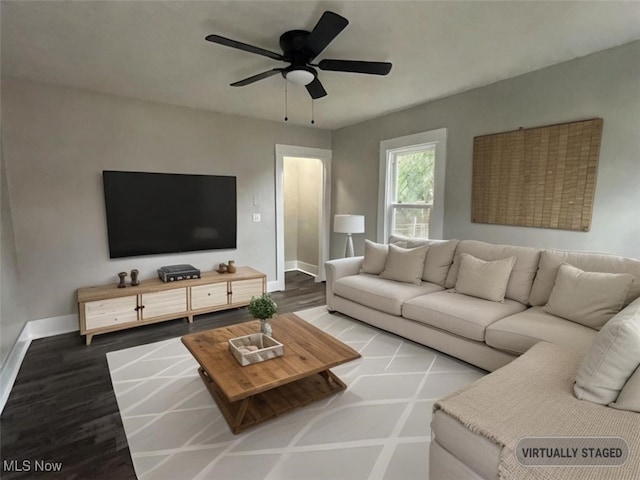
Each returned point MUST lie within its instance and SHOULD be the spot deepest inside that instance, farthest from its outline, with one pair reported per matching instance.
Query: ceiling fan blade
(327, 28)
(356, 66)
(255, 78)
(316, 90)
(227, 42)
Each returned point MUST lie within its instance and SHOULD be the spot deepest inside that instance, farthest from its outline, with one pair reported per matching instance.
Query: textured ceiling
(156, 50)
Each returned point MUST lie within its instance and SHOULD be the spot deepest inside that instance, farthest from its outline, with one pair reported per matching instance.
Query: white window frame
(410, 143)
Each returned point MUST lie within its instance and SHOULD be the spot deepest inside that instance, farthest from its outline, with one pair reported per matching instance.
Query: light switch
(257, 217)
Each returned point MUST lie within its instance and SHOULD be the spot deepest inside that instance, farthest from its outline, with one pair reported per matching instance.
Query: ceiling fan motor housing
(292, 44)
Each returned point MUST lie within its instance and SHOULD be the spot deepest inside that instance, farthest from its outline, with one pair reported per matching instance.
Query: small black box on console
(172, 273)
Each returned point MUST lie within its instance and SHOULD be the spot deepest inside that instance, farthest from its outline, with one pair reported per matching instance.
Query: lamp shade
(348, 224)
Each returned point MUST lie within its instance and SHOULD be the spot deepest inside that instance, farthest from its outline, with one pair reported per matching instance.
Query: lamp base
(348, 249)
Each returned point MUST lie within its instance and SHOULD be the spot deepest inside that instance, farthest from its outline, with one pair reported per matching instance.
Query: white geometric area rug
(376, 429)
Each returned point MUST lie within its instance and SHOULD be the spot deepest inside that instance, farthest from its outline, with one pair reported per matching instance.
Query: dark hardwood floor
(62, 408)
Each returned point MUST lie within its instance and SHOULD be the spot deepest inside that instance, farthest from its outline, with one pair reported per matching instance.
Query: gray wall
(309, 192)
(303, 188)
(604, 84)
(12, 315)
(57, 142)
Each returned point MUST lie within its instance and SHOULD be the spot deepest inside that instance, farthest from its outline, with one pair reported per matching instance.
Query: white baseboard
(303, 267)
(44, 327)
(308, 268)
(11, 366)
(290, 265)
(48, 327)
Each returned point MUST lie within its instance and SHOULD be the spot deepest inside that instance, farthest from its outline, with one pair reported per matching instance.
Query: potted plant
(263, 308)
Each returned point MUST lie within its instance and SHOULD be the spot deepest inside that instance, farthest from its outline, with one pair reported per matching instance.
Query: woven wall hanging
(537, 177)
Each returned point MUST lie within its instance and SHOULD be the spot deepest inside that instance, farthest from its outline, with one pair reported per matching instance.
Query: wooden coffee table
(254, 393)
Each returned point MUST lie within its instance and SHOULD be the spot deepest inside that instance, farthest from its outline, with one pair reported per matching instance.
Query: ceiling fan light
(300, 77)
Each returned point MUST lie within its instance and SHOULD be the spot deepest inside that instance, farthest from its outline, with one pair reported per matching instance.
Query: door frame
(324, 155)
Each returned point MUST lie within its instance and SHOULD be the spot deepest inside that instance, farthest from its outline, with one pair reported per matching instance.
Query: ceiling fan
(299, 48)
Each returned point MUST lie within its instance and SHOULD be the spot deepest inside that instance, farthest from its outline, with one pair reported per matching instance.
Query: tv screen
(151, 213)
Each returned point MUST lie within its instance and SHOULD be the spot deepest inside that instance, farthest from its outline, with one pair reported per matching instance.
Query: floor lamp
(348, 224)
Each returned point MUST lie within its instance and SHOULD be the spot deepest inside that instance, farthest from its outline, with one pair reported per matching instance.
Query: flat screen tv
(153, 213)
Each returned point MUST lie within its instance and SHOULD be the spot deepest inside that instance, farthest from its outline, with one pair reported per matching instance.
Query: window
(411, 191)
(412, 186)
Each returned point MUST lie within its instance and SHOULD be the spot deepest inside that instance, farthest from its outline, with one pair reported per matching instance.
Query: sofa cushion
(588, 298)
(457, 313)
(375, 256)
(518, 333)
(482, 279)
(380, 294)
(612, 359)
(550, 261)
(629, 398)
(524, 270)
(405, 264)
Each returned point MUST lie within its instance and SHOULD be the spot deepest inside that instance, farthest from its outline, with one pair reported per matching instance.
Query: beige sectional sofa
(487, 305)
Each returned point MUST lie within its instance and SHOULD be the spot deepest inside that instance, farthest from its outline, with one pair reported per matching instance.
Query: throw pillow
(438, 261)
(405, 264)
(612, 358)
(482, 279)
(375, 256)
(588, 298)
(629, 398)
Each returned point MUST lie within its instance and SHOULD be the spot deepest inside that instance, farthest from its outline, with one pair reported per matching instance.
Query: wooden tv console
(107, 308)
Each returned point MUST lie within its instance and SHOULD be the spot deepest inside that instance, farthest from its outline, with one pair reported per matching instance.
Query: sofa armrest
(337, 269)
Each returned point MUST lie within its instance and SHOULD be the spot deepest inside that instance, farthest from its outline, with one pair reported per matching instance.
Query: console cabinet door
(107, 313)
(208, 296)
(166, 302)
(243, 290)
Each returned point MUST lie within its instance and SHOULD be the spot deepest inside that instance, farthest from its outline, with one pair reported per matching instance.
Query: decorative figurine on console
(122, 276)
(227, 268)
(134, 278)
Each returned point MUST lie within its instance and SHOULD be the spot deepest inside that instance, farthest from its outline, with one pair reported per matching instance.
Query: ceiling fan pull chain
(286, 106)
(312, 113)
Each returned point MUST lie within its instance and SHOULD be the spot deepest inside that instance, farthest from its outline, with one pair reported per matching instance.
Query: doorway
(303, 195)
(302, 211)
